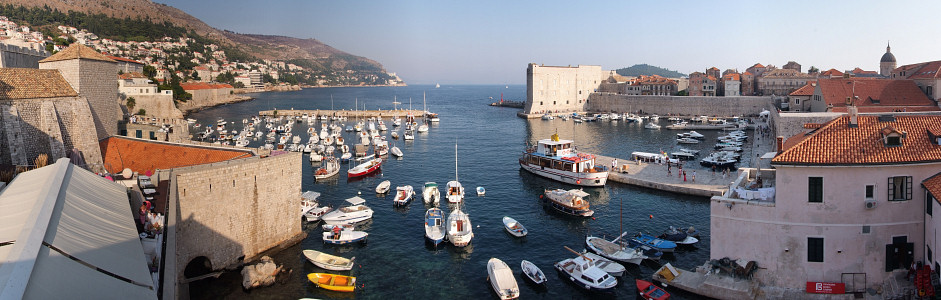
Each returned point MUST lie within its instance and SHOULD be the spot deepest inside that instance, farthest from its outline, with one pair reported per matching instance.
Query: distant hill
(645, 69)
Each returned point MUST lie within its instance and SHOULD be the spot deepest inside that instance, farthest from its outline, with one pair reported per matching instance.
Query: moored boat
(396, 151)
(557, 160)
(614, 251)
(455, 192)
(650, 291)
(460, 231)
(501, 279)
(339, 236)
(333, 282)
(367, 167)
(329, 262)
(383, 187)
(481, 191)
(677, 236)
(514, 227)
(330, 168)
(653, 242)
(570, 202)
(584, 274)
(430, 193)
(434, 226)
(533, 272)
(403, 195)
(357, 211)
(613, 268)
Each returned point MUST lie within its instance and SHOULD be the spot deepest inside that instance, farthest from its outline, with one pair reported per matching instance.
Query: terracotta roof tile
(747, 73)
(131, 75)
(19, 83)
(933, 185)
(115, 58)
(929, 69)
(758, 65)
(77, 51)
(806, 90)
(835, 143)
(832, 72)
(887, 109)
(142, 155)
(873, 92)
(731, 77)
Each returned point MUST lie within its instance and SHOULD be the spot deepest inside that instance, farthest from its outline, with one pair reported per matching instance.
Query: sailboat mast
(455, 161)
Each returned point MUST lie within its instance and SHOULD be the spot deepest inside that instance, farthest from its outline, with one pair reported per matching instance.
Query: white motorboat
(308, 201)
(434, 226)
(343, 237)
(514, 227)
(396, 151)
(346, 156)
(651, 125)
(533, 272)
(460, 231)
(409, 135)
(395, 135)
(614, 251)
(403, 195)
(455, 192)
(585, 274)
(571, 202)
(330, 168)
(355, 212)
(383, 187)
(481, 191)
(315, 157)
(502, 279)
(687, 140)
(422, 128)
(382, 126)
(613, 268)
(557, 159)
(430, 193)
(329, 262)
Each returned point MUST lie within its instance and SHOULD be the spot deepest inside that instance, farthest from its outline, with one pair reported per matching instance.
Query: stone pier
(343, 113)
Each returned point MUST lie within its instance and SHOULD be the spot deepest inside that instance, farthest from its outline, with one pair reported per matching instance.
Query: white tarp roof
(88, 229)
(579, 193)
(356, 200)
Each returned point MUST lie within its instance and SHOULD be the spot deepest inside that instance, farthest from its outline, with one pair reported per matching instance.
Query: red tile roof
(124, 59)
(835, 143)
(131, 75)
(887, 109)
(22, 83)
(189, 86)
(922, 70)
(872, 92)
(732, 77)
(758, 65)
(933, 185)
(713, 68)
(143, 155)
(832, 72)
(77, 51)
(747, 73)
(857, 70)
(806, 90)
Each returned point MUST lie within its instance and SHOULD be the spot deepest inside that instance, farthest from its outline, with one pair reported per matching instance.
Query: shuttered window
(815, 189)
(900, 188)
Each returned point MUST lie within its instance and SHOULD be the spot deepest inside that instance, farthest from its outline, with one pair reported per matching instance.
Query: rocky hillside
(309, 52)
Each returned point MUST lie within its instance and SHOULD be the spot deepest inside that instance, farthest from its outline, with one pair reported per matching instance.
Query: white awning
(356, 200)
(310, 195)
(579, 193)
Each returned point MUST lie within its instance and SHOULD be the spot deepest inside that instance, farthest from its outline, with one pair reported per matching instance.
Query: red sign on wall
(826, 287)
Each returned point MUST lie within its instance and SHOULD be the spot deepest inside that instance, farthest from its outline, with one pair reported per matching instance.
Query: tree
(266, 78)
(682, 93)
(150, 71)
(195, 75)
(813, 70)
(142, 112)
(131, 102)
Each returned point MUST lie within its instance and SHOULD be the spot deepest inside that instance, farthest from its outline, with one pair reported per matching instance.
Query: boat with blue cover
(653, 242)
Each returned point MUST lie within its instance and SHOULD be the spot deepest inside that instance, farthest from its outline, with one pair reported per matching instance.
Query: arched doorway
(197, 266)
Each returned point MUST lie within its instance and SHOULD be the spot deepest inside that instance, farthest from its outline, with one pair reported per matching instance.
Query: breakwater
(342, 113)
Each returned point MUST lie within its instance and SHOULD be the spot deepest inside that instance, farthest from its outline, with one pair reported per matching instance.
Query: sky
(491, 42)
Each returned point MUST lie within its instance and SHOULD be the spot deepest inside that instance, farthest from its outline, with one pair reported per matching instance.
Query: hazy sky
(491, 42)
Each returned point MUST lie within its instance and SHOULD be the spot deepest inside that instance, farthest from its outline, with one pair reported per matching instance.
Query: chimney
(854, 116)
(780, 144)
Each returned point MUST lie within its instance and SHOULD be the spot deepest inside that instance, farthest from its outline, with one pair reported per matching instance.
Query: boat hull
(580, 179)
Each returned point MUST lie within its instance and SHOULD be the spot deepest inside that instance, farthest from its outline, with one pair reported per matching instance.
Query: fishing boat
(316, 157)
(329, 262)
(501, 279)
(614, 251)
(330, 168)
(355, 212)
(679, 237)
(533, 272)
(651, 125)
(613, 268)
(344, 236)
(333, 282)
(367, 167)
(396, 151)
(653, 242)
(571, 202)
(557, 160)
(481, 191)
(383, 187)
(584, 274)
(346, 156)
(403, 195)
(395, 135)
(434, 226)
(514, 227)
(430, 193)
(328, 227)
(650, 291)
(409, 135)
(455, 192)
(460, 231)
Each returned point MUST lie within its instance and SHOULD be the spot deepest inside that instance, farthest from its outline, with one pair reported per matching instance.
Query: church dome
(888, 57)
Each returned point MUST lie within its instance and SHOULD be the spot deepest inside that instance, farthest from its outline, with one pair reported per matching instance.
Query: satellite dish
(127, 173)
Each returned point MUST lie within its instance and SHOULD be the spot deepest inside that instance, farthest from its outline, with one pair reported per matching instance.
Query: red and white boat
(651, 291)
(367, 167)
(557, 159)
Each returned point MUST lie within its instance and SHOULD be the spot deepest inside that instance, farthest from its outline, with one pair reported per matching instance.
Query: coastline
(235, 99)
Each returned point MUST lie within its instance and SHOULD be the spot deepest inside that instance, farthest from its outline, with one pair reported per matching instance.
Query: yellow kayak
(333, 282)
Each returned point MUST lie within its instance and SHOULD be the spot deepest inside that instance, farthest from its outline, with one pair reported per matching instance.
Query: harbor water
(396, 262)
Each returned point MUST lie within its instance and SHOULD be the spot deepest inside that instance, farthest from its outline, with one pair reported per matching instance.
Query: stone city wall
(52, 126)
(236, 209)
(159, 106)
(679, 105)
(209, 97)
(12, 56)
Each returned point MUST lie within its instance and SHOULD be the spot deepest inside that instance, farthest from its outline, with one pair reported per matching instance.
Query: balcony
(752, 186)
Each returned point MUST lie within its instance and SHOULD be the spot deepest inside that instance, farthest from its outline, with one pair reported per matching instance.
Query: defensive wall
(12, 56)
(52, 126)
(85, 76)
(233, 210)
(679, 105)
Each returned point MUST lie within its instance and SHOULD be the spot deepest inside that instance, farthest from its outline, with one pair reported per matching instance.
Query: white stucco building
(843, 204)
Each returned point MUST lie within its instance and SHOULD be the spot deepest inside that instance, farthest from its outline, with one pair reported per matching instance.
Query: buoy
(651, 216)
(540, 196)
(359, 192)
(592, 218)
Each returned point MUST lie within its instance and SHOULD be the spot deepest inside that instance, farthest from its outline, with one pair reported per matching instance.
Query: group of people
(150, 220)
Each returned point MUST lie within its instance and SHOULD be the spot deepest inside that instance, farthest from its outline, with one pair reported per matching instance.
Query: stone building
(887, 62)
(869, 95)
(695, 84)
(563, 89)
(126, 65)
(748, 84)
(652, 85)
(225, 204)
(927, 76)
(792, 65)
(91, 74)
(824, 212)
(158, 104)
(781, 82)
(13, 56)
(799, 100)
(40, 113)
(206, 94)
(732, 84)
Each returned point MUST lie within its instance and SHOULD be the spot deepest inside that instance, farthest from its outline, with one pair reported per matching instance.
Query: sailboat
(424, 126)
(455, 189)
(460, 231)
(613, 250)
(437, 85)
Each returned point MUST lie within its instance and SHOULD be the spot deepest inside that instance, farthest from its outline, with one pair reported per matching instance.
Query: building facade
(91, 74)
(732, 84)
(869, 95)
(926, 76)
(562, 89)
(781, 82)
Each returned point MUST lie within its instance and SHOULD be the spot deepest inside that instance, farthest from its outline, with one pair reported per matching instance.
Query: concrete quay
(343, 113)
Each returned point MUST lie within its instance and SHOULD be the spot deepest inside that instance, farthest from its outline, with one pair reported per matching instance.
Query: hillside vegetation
(645, 69)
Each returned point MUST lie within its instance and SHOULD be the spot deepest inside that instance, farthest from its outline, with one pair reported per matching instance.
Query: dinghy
(329, 262)
(533, 272)
(333, 282)
(383, 187)
(501, 279)
(481, 191)
(343, 237)
(514, 227)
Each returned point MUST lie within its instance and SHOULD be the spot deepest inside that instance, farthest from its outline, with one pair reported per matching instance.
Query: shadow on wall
(205, 258)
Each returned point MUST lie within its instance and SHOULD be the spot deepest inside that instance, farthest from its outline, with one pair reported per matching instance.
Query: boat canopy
(356, 200)
(578, 193)
(310, 195)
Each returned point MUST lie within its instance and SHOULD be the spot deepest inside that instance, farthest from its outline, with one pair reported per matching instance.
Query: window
(867, 229)
(139, 134)
(900, 188)
(815, 189)
(893, 141)
(928, 91)
(814, 249)
(797, 101)
(869, 191)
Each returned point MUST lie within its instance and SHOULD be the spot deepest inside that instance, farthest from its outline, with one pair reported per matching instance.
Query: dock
(343, 113)
(513, 104)
(706, 283)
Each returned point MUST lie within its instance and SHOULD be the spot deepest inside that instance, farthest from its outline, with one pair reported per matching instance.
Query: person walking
(684, 176)
(614, 164)
(694, 175)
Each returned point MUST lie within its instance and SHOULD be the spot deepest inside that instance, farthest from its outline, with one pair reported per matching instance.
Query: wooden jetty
(343, 113)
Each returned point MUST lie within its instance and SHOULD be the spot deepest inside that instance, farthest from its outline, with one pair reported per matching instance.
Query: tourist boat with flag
(557, 159)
